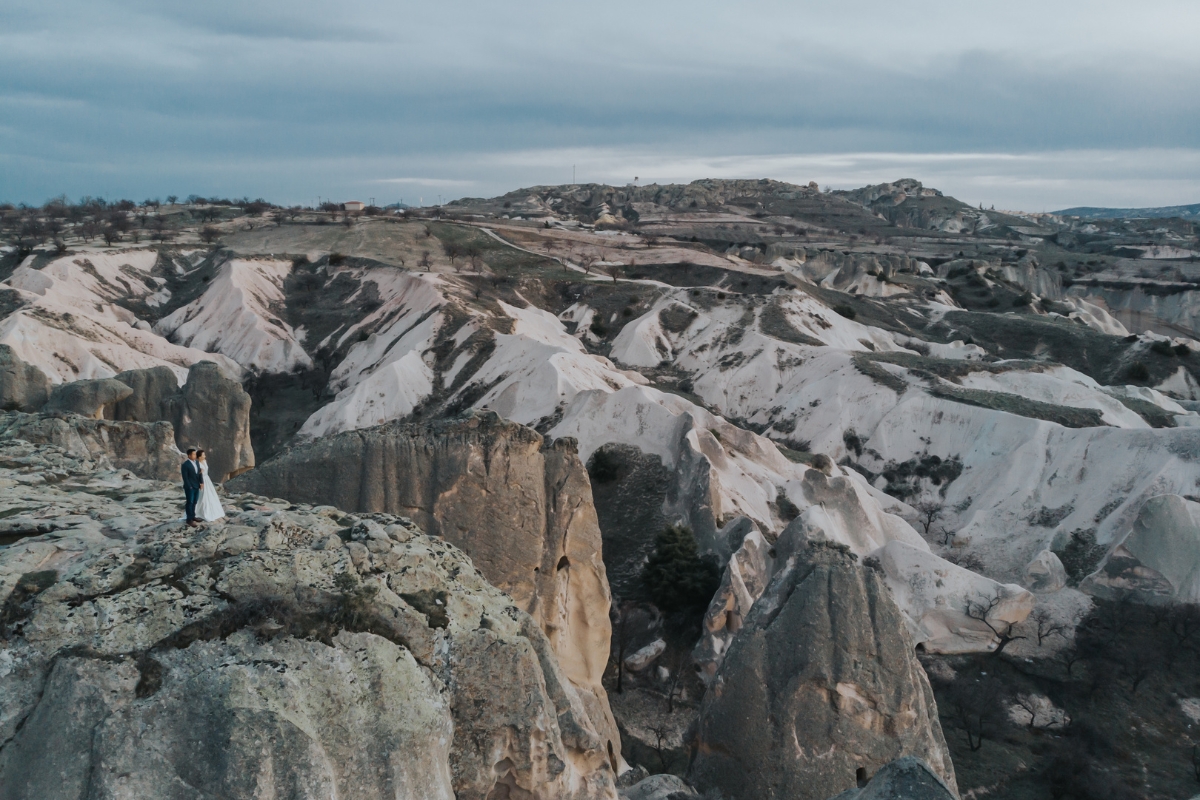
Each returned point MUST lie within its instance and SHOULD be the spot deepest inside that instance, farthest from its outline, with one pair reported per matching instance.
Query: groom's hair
(191, 450)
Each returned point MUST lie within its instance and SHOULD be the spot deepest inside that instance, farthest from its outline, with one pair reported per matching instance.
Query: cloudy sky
(1030, 105)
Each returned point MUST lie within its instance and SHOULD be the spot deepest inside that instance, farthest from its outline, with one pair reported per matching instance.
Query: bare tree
(452, 250)
(613, 270)
(928, 512)
(111, 235)
(981, 609)
(425, 262)
(587, 261)
(209, 234)
(661, 732)
(1047, 625)
(976, 706)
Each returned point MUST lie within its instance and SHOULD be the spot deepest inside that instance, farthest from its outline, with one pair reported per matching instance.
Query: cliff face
(298, 653)
(819, 689)
(145, 449)
(519, 507)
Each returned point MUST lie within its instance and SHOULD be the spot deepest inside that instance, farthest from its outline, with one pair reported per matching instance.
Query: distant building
(354, 205)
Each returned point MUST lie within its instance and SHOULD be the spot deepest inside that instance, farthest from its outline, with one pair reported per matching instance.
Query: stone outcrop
(297, 653)
(905, 778)
(145, 449)
(1159, 560)
(658, 787)
(90, 398)
(819, 689)
(1045, 574)
(520, 507)
(933, 594)
(152, 389)
(212, 412)
(23, 387)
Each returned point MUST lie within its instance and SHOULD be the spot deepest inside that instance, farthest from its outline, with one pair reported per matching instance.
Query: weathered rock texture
(820, 683)
(152, 389)
(905, 778)
(520, 507)
(1159, 560)
(212, 412)
(91, 398)
(23, 387)
(145, 449)
(281, 653)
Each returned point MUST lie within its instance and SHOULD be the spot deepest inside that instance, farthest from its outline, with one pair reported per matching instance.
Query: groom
(193, 482)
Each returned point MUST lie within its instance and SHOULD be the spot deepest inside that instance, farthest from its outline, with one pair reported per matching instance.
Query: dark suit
(192, 481)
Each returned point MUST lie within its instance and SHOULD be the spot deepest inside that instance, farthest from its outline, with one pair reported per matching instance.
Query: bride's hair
(199, 454)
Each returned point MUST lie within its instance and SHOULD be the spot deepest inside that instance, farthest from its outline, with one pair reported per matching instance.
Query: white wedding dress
(209, 508)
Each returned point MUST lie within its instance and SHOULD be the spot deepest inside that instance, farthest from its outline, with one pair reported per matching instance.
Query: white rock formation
(1045, 573)
(1159, 560)
(236, 317)
(72, 326)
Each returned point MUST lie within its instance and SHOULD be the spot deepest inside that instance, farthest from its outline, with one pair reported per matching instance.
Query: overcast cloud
(1032, 105)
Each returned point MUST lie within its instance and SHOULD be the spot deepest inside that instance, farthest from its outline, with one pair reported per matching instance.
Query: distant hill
(1086, 212)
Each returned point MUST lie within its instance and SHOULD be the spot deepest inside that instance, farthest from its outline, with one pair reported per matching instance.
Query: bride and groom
(199, 494)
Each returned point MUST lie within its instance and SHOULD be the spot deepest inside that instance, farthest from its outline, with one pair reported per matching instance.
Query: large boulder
(23, 387)
(1158, 561)
(145, 449)
(658, 787)
(519, 506)
(90, 398)
(278, 653)
(819, 689)
(212, 412)
(1045, 574)
(905, 778)
(152, 390)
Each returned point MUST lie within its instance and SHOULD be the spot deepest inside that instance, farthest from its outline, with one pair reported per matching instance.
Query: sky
(1023, 105)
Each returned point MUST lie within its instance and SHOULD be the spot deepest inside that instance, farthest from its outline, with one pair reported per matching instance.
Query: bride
(209, 508)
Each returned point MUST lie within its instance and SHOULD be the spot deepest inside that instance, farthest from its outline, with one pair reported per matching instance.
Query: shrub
(1162, 348)
(845, 310)
(1138, 371)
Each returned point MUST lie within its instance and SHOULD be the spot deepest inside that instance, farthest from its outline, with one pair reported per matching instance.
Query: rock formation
(145, 449)
(905, 778)
(819, 689)
(152, 389)
(1045, 574)
(1159, 560)
(520, 507)
(90, 398)
(299, 653)
(658, 787)
(212, 412)
(23, 387)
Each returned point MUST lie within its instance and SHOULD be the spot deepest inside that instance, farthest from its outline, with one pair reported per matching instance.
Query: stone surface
(645, 656)
(145, 449)
(1045, 573)
(90, 398)
(152, 389)
(520, 507)
(1159, 560)
(23, 387)
(658, 787)
(905, 778)
(261, 657)
(212, 412)
(821, 682)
